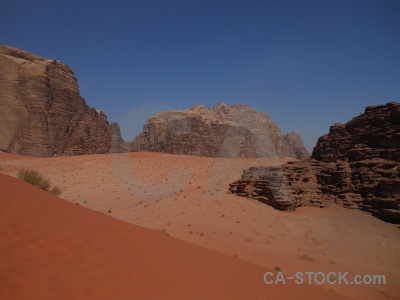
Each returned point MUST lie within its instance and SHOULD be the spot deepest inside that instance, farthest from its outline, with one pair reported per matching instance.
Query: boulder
(283, 187)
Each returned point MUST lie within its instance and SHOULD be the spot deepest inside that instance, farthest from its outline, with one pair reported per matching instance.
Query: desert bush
(35, 178)
(55, 190)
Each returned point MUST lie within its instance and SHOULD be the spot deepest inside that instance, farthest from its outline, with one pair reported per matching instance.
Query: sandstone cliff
(283, 187)
(373, 134)
(220, 131)
(356, 165)
(361, 162)
(42, 112)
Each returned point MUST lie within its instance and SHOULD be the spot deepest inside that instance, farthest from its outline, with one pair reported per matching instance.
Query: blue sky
(308, 64)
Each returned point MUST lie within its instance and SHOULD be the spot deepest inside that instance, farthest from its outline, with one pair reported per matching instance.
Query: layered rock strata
(362, 162)
(356, 165)
(220, 131)
(283, 187)
(42, 112)
(373, 134)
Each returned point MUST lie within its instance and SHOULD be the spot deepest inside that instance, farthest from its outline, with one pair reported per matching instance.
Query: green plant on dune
(35, 178)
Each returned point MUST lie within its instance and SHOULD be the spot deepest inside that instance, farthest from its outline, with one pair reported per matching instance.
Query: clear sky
(308, 64)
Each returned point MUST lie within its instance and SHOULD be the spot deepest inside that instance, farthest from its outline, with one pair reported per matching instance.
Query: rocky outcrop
(372, 185)
(42, 112)
(356, 165)
(362, 162)
(373, 134)
(221, 131)
(283, 187)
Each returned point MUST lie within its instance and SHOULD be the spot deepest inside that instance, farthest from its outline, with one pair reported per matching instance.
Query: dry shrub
(35, 178)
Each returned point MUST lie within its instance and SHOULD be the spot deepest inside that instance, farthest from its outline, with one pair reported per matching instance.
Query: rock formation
(356, 165)
(283, 187)
(221, 131)
(296, 143)
(362, 162)
(373, 134)
(42, 112)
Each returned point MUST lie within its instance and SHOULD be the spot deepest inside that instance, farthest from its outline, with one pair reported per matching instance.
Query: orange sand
(192, 205)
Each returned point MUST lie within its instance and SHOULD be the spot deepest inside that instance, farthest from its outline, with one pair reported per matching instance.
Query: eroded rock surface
(283, 187)
(362, 162)
(220, 131)
(42, 112)
(373, 134)
(356, 165)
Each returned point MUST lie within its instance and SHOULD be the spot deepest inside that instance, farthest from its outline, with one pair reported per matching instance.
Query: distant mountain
(42, 112)
(220, 131)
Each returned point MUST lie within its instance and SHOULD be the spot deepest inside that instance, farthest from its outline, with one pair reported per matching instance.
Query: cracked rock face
(362, 162)
(42, 112)
(220, 131)
(373, 134)
(356, 165)
(283, 187)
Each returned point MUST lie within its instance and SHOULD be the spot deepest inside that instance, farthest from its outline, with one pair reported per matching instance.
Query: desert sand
(185, 200)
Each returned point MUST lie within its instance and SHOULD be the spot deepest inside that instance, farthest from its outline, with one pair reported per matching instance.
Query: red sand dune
(53, 249)
(186, 197)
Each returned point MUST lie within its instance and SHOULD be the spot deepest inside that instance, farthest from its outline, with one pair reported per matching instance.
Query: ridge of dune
(53, 249)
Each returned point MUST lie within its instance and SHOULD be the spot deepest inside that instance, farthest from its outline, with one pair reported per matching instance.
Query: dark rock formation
(283, 187)
(356, 165)
(372, 185)
(42, 112)
(362, 162)
(221, 131)
(373, 134)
